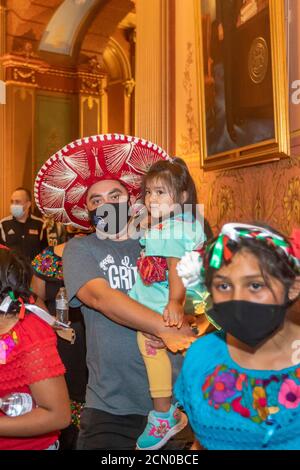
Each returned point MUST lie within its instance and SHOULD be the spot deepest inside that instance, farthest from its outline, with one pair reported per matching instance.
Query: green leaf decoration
(226, 407)
(256, 419)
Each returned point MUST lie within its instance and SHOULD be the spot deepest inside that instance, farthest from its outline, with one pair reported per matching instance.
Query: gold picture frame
(254, 126)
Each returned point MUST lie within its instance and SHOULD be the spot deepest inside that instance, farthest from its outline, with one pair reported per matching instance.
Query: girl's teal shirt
(170, 239)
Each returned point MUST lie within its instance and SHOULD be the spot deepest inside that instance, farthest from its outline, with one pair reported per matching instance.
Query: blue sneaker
(160, 429)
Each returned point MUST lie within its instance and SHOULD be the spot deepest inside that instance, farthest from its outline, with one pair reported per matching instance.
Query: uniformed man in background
(22, 231)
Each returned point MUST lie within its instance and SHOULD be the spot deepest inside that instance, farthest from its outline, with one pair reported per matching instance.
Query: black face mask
(110, 219)
(250, 322)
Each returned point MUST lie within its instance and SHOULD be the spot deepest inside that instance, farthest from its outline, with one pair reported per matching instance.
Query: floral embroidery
(239, 408)
(152, 269)
(48, 264)
(254, 399)
(223, 388)
(297, 373)
(7, 343)
(76, 410)
(289, 394)
(260, 402)
(240, 380)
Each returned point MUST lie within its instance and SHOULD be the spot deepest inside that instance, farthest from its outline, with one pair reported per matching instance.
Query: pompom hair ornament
(190, 269)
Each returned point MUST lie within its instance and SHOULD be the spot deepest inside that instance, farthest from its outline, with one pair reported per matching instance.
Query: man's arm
(43, 237)
(118, 307)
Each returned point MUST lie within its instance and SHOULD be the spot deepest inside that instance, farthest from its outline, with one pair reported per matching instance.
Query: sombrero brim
(62, 182)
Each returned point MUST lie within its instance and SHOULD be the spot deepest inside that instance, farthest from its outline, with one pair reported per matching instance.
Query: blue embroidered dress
(232, 408)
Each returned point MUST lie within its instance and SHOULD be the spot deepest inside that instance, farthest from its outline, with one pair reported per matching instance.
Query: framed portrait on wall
(242, 82)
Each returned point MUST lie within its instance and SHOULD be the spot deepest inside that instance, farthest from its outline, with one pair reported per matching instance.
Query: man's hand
(154, 342)
(200, 323)
(177, 339)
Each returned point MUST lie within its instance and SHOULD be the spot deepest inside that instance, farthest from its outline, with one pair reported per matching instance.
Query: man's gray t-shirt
(117, 382)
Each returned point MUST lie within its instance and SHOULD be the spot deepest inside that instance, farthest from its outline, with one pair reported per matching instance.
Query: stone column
(154, 77)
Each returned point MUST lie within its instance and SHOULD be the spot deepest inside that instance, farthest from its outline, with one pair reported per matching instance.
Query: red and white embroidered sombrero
(61, 184)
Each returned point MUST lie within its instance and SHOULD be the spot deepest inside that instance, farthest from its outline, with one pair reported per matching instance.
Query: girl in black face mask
(240, 386)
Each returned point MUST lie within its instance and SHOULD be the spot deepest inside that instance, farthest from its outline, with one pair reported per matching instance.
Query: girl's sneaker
(160, 428)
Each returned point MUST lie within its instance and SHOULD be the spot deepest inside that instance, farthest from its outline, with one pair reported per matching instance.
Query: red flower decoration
(295, 242)
(239, 408)
(152, 269)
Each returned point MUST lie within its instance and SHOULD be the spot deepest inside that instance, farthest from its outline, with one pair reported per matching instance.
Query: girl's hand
(173, 314)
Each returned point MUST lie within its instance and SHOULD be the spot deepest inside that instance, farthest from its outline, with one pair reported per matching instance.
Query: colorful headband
(221, 248)
(11, 298)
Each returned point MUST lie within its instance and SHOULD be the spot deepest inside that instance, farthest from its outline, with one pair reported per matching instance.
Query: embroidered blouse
(28, 355)
(48, 265)
(230, 407)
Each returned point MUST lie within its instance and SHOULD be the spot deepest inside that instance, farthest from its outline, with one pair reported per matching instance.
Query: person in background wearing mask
(22, 231)
(240, 386)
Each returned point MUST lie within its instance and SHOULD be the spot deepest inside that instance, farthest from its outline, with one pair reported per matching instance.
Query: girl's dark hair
(176, 176)
(272, 261)
(15, 277)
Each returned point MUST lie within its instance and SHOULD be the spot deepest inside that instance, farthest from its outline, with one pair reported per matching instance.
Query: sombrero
(61, 184)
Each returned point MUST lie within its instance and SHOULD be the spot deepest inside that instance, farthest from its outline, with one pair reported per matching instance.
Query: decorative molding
(96, 66)
(129, 86)
(115, 58)
(24, 75)
(40, 74)
(190, 140)
(90, 84)
(27, 51)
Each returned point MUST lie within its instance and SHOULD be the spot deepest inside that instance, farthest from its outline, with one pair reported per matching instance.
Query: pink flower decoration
(239, 408)
(161, 430)
(240, 380)
(289, 394)
(149, 349)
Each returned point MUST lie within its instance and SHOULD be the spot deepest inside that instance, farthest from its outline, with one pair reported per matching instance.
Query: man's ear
(132, 200)
(294, 290)
(184, 197)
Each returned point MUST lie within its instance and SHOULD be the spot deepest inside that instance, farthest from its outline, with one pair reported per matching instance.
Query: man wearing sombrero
(106, 172)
